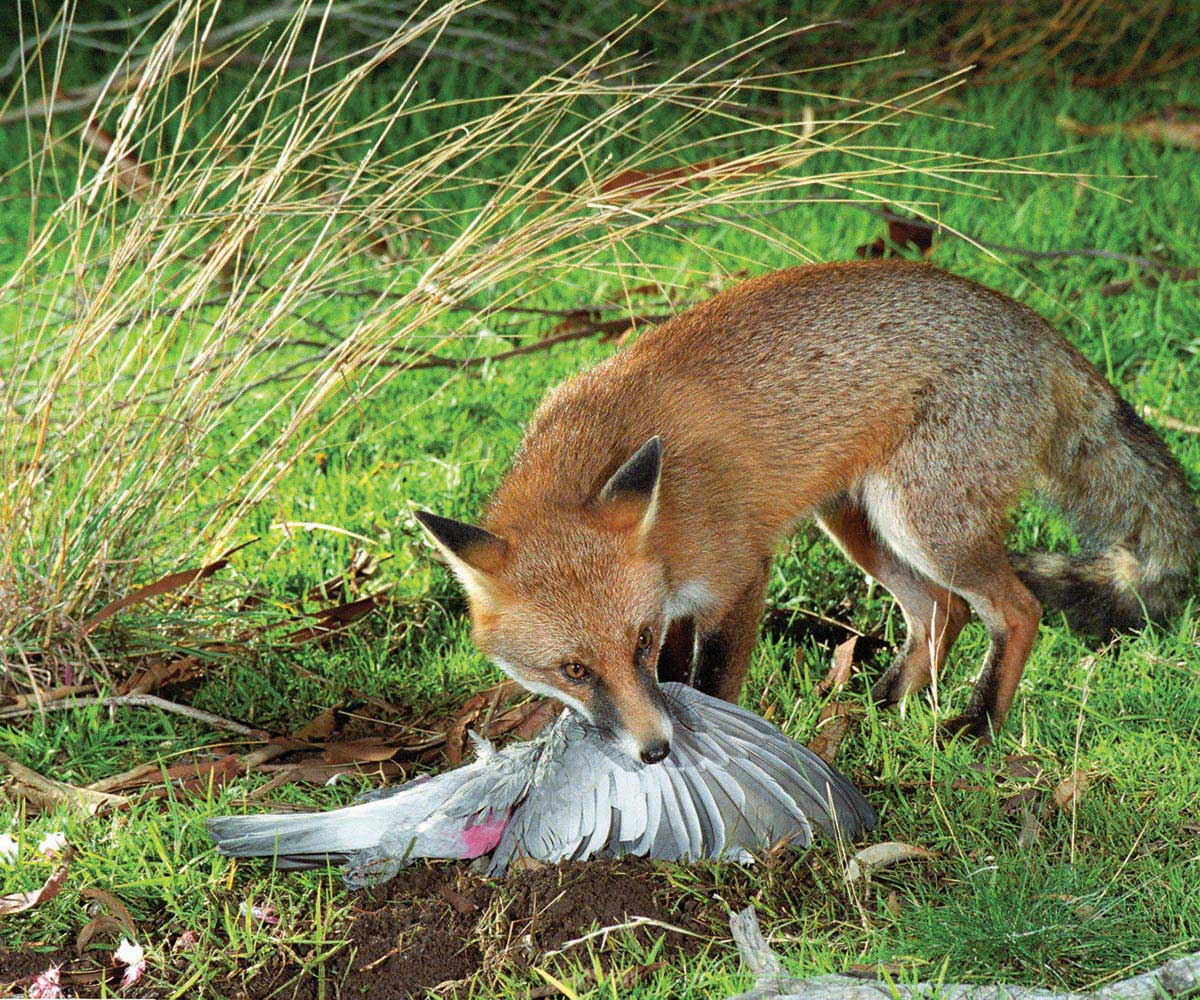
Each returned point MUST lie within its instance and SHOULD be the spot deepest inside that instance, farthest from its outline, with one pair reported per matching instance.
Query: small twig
(1145, 263)
(144, 701)
(626, 926)
(1169, 422)
(585, 331)
(1178, 978)
(298, 369)
(47, 697)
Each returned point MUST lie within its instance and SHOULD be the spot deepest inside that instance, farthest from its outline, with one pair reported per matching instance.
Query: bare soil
(446, 926)
(443, 927)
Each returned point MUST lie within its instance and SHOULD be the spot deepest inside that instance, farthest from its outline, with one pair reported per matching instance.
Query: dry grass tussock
(204, 291)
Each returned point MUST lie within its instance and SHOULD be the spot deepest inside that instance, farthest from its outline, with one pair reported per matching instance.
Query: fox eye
(645, 639)
(575, 672)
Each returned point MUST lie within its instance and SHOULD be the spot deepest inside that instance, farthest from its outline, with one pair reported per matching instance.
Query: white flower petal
(9, 849)
(133, 957)
(53, 844)
(47, 986)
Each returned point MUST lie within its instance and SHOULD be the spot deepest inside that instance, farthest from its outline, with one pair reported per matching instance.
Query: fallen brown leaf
(102, 926)
(458, 902)
(369, 750)
(636, 183)
(1068, 792)
(1022, 800)
(471, 710)
(879, 856)
(545, 711)
(1015, 766)
(1169, 128)
(832, 726)
(319, 727)
(130, 173)
(841, 668)
(332, 620)
(588, 322)
(163, 673)
(18, 902)
(164, 585)
(316, 773)
(115, 907)
(637, 291)
(41, 792)
(902, 233)
(194, 777)
(1150, 279)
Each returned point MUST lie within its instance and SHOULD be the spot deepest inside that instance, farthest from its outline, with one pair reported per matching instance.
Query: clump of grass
(1023, 919)
(217, 275)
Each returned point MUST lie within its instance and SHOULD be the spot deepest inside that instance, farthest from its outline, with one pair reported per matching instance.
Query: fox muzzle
(638, 719)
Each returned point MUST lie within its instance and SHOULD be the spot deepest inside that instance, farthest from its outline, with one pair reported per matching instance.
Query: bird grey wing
(567, 802)
(751, 810)
(603, 821)
(587, 813)
(693, 772)
(678, 830)
(832, 804)
(771, 814)
(496, 780)
(689, 808)
(731, 803)
(819, 784)
(629, 805)
(650, 788)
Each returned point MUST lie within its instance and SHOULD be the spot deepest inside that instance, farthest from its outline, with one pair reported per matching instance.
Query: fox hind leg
(968, 558)
(933, 615)
(1011, 614)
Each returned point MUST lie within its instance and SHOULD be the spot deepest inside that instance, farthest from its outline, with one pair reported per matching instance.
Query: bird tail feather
(300, 840)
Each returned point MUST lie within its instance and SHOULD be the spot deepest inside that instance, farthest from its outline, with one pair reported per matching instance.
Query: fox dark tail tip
(1098, 595)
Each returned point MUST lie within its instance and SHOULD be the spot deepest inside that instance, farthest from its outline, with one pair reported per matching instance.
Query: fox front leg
(723, 653)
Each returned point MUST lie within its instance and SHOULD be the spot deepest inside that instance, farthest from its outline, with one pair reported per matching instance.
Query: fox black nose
(655, 752)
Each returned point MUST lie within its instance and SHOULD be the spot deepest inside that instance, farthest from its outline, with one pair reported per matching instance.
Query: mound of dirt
(443, 924)
(440, 924)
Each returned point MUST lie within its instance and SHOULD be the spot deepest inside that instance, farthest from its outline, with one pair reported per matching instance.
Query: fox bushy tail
(1131, 506)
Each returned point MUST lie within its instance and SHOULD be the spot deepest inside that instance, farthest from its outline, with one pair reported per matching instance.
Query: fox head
(571, 604)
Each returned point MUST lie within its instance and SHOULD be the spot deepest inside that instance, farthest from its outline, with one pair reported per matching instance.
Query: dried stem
(1177, 978)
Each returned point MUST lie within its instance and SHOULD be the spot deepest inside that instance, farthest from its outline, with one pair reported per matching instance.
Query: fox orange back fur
(907, 409)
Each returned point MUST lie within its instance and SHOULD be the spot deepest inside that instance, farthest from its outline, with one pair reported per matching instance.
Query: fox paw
(888, 690)
(977, 726)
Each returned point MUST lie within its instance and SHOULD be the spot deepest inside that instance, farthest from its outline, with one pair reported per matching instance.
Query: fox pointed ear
(630, 498)
(473, 553)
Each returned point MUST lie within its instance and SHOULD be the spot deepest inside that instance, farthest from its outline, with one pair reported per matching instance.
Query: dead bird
(732, 784)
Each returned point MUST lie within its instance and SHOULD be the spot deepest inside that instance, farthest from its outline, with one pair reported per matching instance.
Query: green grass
(1106, 886)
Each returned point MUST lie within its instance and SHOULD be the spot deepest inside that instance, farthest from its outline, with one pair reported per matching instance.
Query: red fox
(904, 407)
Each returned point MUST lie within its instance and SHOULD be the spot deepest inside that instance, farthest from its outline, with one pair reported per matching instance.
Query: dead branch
(143, 701)
(1178, 978)
(40, 696)
(1168, 421)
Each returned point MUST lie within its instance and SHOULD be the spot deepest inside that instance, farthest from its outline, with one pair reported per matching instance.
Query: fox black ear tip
(427, 518)
(650, 452)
